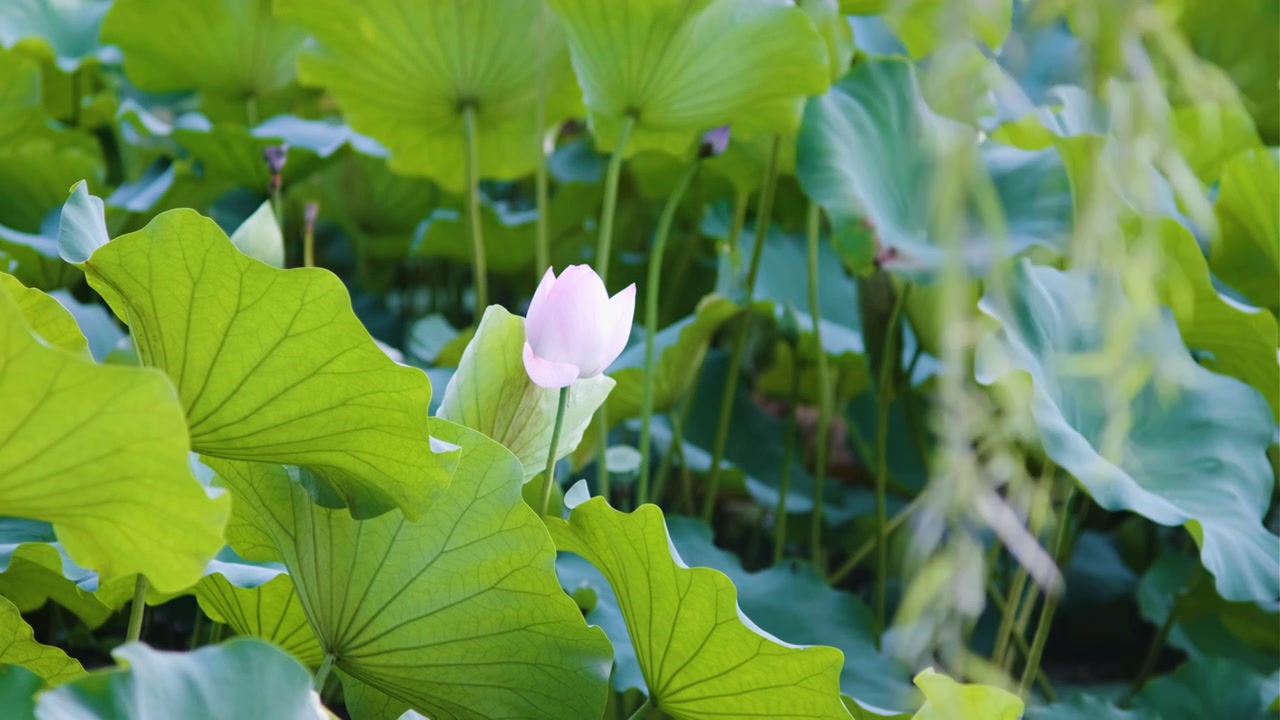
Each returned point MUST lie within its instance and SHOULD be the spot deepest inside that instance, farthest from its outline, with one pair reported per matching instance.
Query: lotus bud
(714, 142)
(574, 329)
(275, 157)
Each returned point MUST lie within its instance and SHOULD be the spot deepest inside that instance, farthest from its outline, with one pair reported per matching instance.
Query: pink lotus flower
(574, 329)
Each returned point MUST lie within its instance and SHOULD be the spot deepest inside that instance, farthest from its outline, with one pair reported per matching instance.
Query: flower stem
(872, 543)
(603, 247)
(1050, 600)
(813, 224)
(322, 673)
(643, 710)
(788, 453)
(1035, 523)
(136, 610)
(729, 256)
(763, 217)
(652, 288)
(890, 356)
(999, 602)
(481, 272)
(543, 247)
(548, 477)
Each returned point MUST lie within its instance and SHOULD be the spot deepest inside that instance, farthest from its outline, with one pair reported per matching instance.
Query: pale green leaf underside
(491, 392)
(273, 365)
(271, 611)
(242, 678)
(403, 70)
(1193, 451)
(259, 237)
(101, 453)
(18, 647)
(232, 48)
(458, 614)
(699, 655)
(681, 67)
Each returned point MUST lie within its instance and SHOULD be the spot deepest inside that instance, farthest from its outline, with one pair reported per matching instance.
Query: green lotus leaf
(510, 233)
(34, 569)
(241, 678)
(457, 614)
(700, 656)
(271, 611)
(946, 699)
(1246, 251)
(865, 151)
(680, 68)
(836, 33)
(240, 54)
(1193, 433)
(36, 174)
(1084, 707)
(164, 185)
(18, 687)
(233, 151)
(1241, 340)
(1209, 134)
(924, 25)
(48, 319)
(101, 453)
(1209, 688)
(793, 602)
(260, 238)
(864, 7)
(272, 365)
(18, 647)
(491, 392)
(405, 72)
(65, 32)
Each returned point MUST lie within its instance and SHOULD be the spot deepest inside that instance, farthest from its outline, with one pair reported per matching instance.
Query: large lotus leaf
(18, 647)
(868, 149)
(1193, 451)
(946, 699)
(699, 654)
(65, 31)
(34, 569)
(403, 72)
(271, 365)
(1240, 340)
(242, 678)
(1085, 707)
(101, 453)
(510, 234)
(1209, 688)
(793, 602)
(457, 614)
(1246, 251)
(680, 68)
(230, 49)
(1241, 42)
(491, 392)
(48, 319)
(271, 611)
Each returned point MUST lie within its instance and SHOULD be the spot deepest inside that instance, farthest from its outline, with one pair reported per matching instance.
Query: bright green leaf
(403, 72)
(681, 68)
(946, 699)
(924, 25)
(271, 611)
(491, 392)
(1208, 134)
(272, 365)
(18, 647)
(836, 33)
(260, 238)
(1246, 251)
(1190, 446)
(698, 653)
(49, 320)
(457, 614)
(242, 678)
(101, 452)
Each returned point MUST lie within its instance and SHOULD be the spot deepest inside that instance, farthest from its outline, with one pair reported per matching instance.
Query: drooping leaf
(67, 32)
(241, 678)
(271, 611)
(232, 51)
(101, 453)
(1186, 434)
(698, 653)
(260, 238)
(491, 392)
(18, 647)
(946, 699)
(404, 73)
(868, 147)
(681, 68)
(468, 591)
(1246, 251)
(272, 365)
